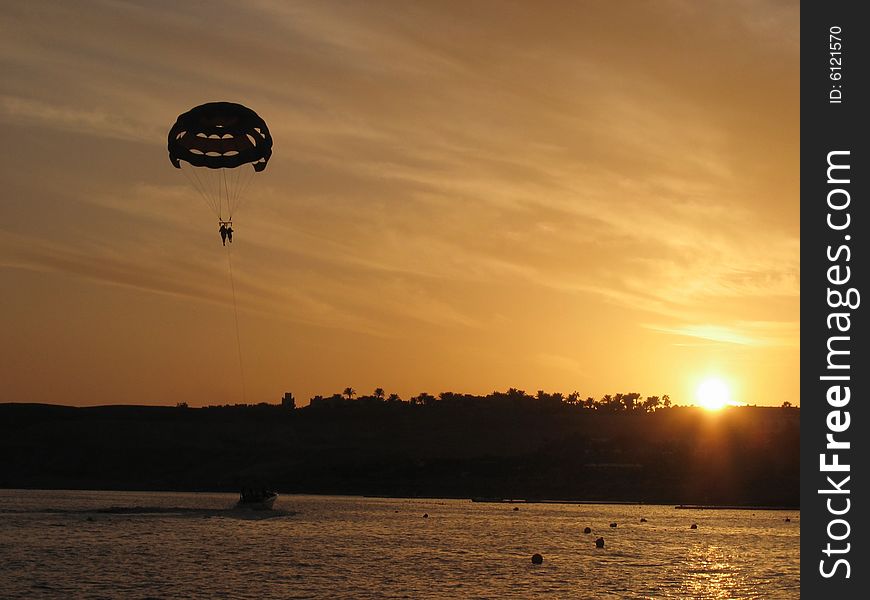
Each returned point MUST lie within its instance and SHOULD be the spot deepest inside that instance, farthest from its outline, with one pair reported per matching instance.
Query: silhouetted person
(224, 233)
(230, 234)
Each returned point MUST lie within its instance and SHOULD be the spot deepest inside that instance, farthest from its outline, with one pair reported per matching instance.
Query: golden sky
(464, 196)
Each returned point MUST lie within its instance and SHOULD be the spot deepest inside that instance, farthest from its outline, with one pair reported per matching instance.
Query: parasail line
(241, 188)
(236, 316)
(196, 185)
(226, 192)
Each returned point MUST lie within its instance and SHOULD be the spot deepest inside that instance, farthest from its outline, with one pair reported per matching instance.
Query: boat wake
(166, 511)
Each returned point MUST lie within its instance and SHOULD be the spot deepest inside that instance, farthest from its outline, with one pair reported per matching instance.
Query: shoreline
(477, 500)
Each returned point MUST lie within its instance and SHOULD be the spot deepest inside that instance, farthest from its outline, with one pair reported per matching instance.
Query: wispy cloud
(89, 122)
(557, 361)
(743, 333)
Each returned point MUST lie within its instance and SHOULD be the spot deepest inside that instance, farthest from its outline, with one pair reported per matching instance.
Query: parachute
(212, 144)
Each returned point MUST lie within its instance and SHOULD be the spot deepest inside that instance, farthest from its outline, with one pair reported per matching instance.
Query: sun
(713, 394)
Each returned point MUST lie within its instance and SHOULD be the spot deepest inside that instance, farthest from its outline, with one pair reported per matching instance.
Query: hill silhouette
(504, 445)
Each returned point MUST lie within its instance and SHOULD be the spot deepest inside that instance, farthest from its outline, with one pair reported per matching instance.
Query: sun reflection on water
(710, 572)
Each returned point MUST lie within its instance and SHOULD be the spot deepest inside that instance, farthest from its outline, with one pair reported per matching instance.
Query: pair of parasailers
(226, 231)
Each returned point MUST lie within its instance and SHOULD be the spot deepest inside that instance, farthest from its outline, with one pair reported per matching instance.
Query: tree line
(620, 402)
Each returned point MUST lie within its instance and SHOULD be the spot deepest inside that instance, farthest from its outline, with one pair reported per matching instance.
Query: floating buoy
(613, 524)
(587, 530)
(642, 520)
(516, 507)
(694, 526)
(425, 515)
(599, 543)
(537, 559)
(787, 520)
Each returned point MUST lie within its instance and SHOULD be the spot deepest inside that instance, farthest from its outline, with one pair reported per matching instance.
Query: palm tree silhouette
(651, 403)
(426, 399)
(379, 393)
(349, 392)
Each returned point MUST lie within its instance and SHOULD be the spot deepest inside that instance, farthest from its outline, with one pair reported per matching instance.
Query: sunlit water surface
(66, 544)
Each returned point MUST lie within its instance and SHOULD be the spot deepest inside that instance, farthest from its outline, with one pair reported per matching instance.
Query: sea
(104, 544)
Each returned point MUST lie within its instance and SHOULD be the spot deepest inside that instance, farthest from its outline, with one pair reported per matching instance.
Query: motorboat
(261, 499)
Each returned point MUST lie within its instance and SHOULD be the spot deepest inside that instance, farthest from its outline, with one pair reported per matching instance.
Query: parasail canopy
(211, 143)
(220, 135)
